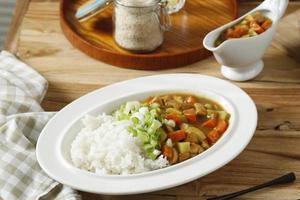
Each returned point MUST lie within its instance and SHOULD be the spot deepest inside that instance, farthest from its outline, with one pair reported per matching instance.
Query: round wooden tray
(182, 44)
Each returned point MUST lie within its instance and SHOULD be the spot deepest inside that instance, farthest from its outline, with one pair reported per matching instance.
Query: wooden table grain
(275, 148)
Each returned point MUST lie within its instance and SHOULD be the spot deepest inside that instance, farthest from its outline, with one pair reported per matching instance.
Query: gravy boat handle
(278, 6)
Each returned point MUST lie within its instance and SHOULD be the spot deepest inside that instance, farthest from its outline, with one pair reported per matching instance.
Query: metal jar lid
(91, 8)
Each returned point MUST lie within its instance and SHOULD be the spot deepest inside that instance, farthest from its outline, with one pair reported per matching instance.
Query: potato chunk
(184, 156)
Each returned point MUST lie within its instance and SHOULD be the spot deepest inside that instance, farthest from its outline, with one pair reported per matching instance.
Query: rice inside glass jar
(139, 25)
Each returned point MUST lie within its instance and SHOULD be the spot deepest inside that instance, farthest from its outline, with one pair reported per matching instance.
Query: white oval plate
(54, 141)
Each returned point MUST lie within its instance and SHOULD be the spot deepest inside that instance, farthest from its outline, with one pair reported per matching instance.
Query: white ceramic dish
(54, 142)
(241, 59)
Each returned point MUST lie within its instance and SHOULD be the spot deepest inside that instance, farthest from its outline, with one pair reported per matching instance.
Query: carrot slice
(174, 117)
(267, 24)
(222, 126)
(211, 123)
(240, 30)
(213, 136)
(257, 28)
(177, 135)
(230, 33)
(190, 115)
(167, 151)
(191, 100)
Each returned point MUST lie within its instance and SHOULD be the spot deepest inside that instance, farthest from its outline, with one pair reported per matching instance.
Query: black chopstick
(288, 178)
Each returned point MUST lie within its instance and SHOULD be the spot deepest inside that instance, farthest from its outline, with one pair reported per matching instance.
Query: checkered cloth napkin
(21, 121)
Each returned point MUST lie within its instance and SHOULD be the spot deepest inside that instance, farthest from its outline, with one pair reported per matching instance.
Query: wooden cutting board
(182, 44)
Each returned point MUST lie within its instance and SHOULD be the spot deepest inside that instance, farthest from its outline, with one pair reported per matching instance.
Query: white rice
(104, 146)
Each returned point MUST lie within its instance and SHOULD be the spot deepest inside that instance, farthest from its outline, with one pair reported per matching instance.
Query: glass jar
(139, 25)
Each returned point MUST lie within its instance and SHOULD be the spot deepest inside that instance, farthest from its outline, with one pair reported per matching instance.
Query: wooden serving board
(182, 44)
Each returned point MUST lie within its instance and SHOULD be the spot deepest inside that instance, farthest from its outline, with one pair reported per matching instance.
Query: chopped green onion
(145, 124)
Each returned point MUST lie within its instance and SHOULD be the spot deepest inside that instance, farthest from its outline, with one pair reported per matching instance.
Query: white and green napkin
(21, 121)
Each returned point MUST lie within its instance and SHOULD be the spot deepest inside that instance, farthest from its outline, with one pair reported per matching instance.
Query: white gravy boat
(241, 58)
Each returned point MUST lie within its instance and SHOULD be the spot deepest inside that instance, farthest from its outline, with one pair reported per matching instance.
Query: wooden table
(275, 148)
